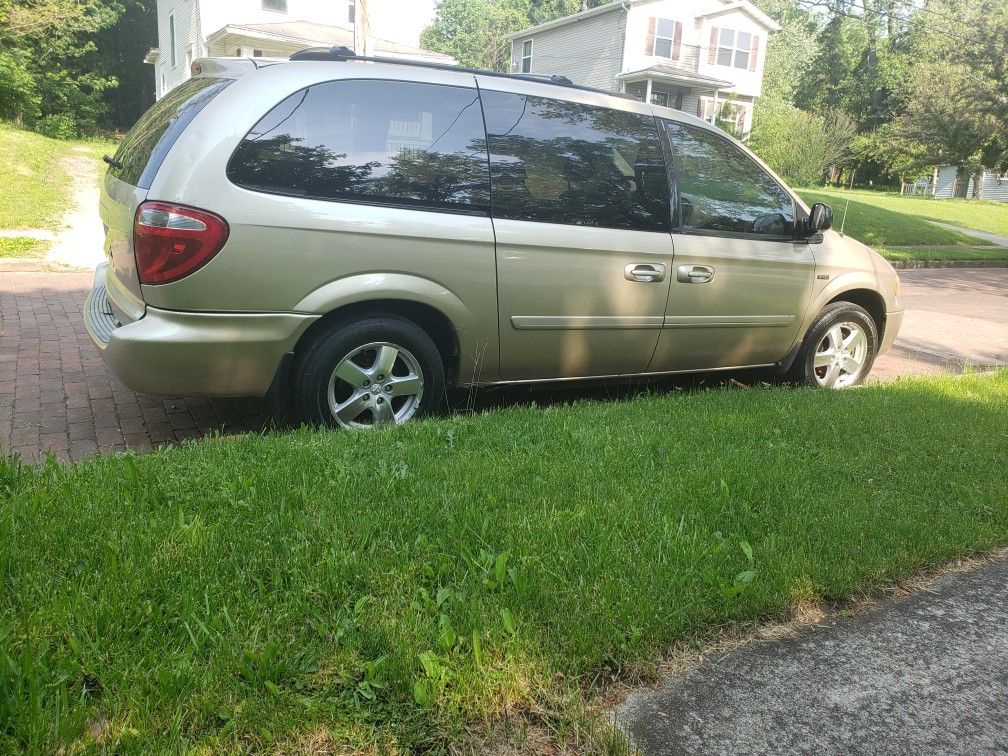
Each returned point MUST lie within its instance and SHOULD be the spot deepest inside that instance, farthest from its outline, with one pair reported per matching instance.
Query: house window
(171, 40)
(526, 59)
(636, 89)
(257, 53)
(734, 48)
(667, 36)
(280, 6)
(731, 116)
(351, 11)
(660, 98)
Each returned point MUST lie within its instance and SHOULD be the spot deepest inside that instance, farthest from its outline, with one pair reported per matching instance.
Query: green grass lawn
(23, 247)
(409, 588)
(991, 217)
(881, 219)
(35, 190)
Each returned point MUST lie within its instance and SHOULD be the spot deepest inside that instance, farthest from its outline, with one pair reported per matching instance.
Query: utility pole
(362, 27)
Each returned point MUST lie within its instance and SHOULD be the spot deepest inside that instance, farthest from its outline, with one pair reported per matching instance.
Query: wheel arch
(410, 296)
(435, 323)
(868, 299)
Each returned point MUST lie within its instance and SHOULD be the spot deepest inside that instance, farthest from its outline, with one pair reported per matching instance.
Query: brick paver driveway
(56, 394)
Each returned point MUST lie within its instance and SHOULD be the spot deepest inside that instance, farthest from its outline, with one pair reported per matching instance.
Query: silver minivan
(351, 236)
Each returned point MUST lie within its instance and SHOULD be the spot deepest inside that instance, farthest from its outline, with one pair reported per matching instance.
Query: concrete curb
(920, 264)
(34, 265)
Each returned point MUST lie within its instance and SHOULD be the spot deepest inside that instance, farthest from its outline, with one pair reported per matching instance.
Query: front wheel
(381, 370)
(840, 348)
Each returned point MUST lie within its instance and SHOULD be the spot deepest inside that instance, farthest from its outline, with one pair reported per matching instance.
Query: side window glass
(723, 189)
(560, 162)
(381, 141)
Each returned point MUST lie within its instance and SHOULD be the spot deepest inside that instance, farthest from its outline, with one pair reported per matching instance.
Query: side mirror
(821, 218)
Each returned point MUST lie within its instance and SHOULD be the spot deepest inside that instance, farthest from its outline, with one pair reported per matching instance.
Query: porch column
(713, 118)
(647, 94)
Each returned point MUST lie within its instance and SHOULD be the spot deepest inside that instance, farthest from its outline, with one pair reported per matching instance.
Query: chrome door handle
(644, 272)
(694, 273)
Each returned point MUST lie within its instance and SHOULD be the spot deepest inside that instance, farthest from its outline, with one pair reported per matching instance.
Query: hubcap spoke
(823, 359)
(409, 385)
(352, 408)
(835, 337)
(384, 414)
(351, 373)
(385, 360)
(853, 341)
(852, 365)
(832, 373)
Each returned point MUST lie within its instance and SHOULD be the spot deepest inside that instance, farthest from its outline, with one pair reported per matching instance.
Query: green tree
(954, 108)
(790, 51)
(61, 62)
(475, 32)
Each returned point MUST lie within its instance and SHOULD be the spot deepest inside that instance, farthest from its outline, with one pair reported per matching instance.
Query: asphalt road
(955, 317)
(924, 674)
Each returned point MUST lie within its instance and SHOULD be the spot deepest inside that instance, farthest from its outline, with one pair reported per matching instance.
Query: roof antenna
(847, 206)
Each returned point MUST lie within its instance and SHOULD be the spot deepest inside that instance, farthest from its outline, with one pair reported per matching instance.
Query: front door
(581, 217)
(741, 282)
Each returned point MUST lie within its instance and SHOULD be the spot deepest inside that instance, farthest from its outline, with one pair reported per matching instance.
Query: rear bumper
(894, 320)
(186, 353)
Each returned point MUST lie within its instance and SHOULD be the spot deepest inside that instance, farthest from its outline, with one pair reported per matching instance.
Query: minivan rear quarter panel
(283, 252)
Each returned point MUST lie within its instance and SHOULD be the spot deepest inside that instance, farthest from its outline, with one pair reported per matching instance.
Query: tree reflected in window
(553, 161)
(723, 189)
(383, 141)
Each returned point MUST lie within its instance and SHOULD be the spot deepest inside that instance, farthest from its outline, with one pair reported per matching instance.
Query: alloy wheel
(377, 384)
(841, 355)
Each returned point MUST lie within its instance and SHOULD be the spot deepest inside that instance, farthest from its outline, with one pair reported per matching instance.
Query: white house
(190, 29)
(702, 56)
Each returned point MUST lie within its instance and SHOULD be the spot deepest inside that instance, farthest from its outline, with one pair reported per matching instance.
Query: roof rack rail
(342, 53)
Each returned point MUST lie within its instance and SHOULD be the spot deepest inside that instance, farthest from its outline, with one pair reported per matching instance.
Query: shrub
(799, 145)
(58, 126)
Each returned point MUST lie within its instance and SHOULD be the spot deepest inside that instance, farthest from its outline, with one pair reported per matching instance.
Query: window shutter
(677, 41)
(753, 52)
(649, 42)
(712, 52)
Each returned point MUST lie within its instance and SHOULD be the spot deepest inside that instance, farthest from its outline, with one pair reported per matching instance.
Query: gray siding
(994, 187)
(588, 52)
(946, 182)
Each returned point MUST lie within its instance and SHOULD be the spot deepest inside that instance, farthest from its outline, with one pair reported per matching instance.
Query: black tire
(315, 365)
(803, 371)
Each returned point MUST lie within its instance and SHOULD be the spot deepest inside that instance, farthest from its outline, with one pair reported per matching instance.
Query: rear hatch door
(130, 175)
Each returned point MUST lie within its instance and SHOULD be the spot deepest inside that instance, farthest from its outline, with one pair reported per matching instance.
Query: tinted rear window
(387, 142)
(146, 145)
(554, 161)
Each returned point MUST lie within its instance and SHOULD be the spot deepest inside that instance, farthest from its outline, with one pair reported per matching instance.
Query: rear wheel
(839, 350)
(381, 370)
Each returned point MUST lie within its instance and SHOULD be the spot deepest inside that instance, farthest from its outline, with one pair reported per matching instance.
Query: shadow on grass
(874, 225)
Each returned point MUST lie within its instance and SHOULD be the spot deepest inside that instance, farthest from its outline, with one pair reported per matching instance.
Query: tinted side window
(380, 141)
(723, 189)
(146, 145)
(560, 162)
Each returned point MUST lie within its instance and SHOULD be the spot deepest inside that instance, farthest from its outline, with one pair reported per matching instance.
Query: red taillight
(172, 241)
